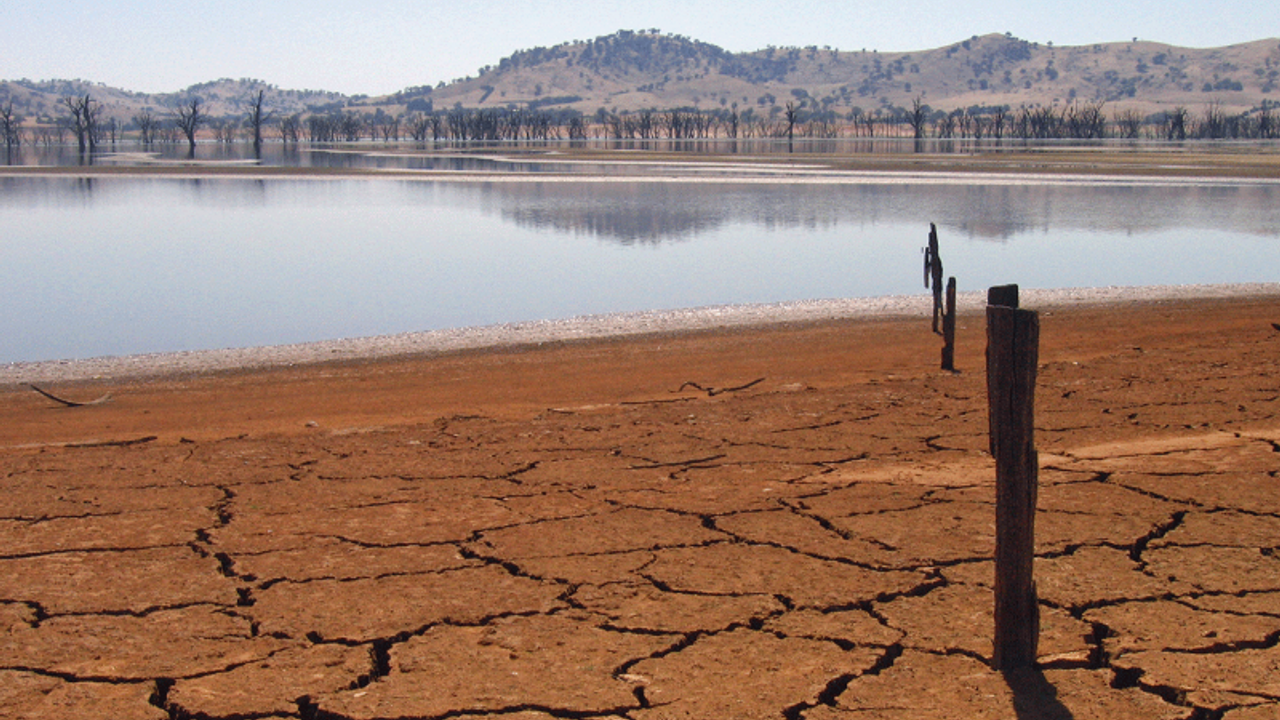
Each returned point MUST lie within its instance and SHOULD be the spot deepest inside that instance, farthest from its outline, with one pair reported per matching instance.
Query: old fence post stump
(1013, 339)
(949, 328)
(933, 274)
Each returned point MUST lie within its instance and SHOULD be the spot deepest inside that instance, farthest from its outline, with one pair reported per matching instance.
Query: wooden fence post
(1013, 338)
(949, 328)
(1004, 295)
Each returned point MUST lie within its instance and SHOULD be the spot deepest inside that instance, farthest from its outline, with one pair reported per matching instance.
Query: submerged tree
(10, 126)
(1176, 122)
(189, 117)
(82, 119)
(1128, 123)
(258, 116)
(918, 117)
(148, 125)
(792, 115)
(291, 128)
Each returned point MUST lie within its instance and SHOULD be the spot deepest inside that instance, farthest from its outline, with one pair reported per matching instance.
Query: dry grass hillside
(629, 71)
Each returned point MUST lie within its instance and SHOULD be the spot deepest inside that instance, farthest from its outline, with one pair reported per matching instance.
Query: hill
(636, 70)
(43, 100)
(630, 71)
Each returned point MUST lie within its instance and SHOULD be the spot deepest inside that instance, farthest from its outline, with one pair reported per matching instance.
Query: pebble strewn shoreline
(582, 327)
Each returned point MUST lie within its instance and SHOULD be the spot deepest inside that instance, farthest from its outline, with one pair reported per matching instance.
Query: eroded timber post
(1013, 339)
(949, 328)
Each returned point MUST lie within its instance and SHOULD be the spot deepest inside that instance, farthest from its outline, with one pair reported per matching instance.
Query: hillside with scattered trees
(650, 84)
(635, 70)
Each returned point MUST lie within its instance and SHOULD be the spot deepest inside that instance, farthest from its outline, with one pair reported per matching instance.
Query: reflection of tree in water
(637, 218)
(653, 213)
(639, 213)
(1002, 212)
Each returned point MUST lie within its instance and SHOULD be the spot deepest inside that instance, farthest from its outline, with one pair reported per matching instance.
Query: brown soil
(639, 529)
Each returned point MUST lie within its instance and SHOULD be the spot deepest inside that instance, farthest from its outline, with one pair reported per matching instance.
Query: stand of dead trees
(84, 119)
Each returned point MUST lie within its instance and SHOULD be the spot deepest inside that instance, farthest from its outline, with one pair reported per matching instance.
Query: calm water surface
(111, 266)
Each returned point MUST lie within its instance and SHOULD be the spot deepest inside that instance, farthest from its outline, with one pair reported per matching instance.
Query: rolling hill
(635, 70)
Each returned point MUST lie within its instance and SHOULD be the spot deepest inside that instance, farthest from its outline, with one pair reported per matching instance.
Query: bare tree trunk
(83, 121)
(189, 117)
(10, 126)
(792, 114)
(257, 118)
(917, 118)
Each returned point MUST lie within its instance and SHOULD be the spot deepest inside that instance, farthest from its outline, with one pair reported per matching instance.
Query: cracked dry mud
(558, 532)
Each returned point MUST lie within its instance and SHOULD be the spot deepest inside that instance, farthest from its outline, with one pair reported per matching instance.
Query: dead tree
(918, 117)
(1175, 123)
(290, 128)
(998, 119)
(793, 114)
(147, 127)
(1128, 123)
(82, 120)
(10, 127)
(731, 124)
(189, 117)
(419, 125)
(868, 120)
(945, 126)
(351, 125)
(258, 117)
(225, 131)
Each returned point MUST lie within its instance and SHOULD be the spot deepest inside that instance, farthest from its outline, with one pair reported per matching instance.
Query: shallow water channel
(131, 264)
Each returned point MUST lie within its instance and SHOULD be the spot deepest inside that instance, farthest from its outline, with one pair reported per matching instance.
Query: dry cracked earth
(814, 546)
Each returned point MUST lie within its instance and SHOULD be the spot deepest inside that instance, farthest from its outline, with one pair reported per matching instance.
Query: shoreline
(675, 173)
(811, 502)
(583, 327)
(1126, 163)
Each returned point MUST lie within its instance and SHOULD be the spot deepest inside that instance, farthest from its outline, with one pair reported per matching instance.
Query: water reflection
(654, 213)
(116, 265)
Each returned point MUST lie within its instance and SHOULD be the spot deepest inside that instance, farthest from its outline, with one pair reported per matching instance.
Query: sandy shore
(780, 512)
(589, 326)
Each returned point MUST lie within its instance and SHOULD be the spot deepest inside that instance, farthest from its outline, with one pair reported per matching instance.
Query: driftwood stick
(694, 462)
(114, 443)
(70, 403)
(712, 392)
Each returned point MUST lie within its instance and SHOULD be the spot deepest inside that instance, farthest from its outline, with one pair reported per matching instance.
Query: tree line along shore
(88, 123)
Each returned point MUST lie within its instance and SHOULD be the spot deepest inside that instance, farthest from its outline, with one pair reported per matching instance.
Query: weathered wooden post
(933, 274)
(1013, 340)
(949, 328)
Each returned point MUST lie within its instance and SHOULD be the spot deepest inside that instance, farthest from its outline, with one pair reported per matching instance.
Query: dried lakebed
(599, 538)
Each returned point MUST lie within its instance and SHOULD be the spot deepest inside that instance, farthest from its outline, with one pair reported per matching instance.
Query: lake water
(123, 265)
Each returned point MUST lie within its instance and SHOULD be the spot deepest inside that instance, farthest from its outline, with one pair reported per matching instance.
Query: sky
(389, 45)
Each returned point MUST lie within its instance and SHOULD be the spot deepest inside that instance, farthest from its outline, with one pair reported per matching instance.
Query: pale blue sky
(381, 47)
